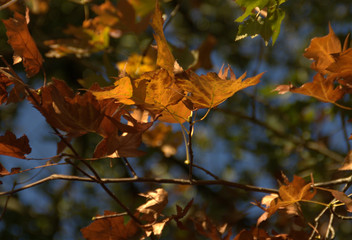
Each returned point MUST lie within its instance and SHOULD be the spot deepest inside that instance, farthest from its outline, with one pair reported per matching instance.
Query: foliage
(135, 111)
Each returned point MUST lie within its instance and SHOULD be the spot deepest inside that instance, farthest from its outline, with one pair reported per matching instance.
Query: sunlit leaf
(22, 43)
(208, 91)
(321, 49)
(321, 88)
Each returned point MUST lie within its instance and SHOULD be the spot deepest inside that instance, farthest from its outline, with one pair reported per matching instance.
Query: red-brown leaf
(23, 44)
(14, 147)
(110, 228)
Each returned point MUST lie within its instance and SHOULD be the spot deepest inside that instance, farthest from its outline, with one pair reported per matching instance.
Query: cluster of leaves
(152, 89)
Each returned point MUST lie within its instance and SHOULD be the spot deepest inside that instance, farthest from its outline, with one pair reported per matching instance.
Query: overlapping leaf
(14, 147)
(291, 193)
(22, 43)
(321, 50)
(208, 91)
(321, 88)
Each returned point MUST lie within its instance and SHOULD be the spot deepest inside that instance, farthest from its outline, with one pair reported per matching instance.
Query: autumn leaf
(136, 64)
(206, 227)
(115, 146)
(4, 83)
(321, 88)
(208, 91)
(14, 147)
(321, 50)
(161, 91)
(110, 228)
(165, 58)
(23, 44)
(157, 201)
(291, 193)
(340, 69)
(4, 172)
(122, 91)
(341, 196)
(73, 113)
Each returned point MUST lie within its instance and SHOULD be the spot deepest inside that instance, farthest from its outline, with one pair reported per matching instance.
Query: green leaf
(250, 5)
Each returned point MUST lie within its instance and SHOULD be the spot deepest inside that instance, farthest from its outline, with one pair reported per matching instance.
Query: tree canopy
(175, 119)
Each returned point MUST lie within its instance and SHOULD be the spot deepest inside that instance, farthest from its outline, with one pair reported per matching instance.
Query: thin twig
(144, 180)
(129, 166)
(206, 171)
(189, 146)
(7, 201)
(344, 128)
(332, 209)
(2, 7)
(110, 216)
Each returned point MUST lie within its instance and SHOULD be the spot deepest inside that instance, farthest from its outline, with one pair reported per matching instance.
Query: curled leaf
(14, 147)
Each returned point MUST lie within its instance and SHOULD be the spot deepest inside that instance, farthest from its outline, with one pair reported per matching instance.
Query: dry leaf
(208, 91)
(23, 44)
(321, 88)
(14, 147)
(110, 228)
(165, 58)
(321, 50)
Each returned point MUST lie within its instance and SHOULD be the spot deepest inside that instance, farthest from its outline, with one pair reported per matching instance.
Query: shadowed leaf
(14, 147)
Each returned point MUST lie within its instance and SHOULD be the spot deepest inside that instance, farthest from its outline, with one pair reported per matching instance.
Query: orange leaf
(165, 58)
(208, 91)
(23, 45)
(14, 147)
(320, 50)
(161, 91)
(292, 193)
(110, 228)
(341, 68)
(321, 88)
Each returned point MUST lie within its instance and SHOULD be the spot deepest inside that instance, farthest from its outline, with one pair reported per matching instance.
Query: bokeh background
(251, 138)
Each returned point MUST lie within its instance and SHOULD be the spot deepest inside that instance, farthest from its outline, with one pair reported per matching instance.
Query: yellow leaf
(208, 91)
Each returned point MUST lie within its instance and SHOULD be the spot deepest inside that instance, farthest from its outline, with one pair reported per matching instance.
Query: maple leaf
(321, 50)
(110, 228)
(321, 88)
(165, 59)
(291, 193)
(340, 69)
(14, 147)
(74, 114)
(161, 91)
(115, 146)
(23, 44)
(208, 91)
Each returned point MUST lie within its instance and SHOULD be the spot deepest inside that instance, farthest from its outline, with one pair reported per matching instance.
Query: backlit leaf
(165, 58)
(321, 49)
(23, 44)
(208, 91)
(14, 147)
(321, 88)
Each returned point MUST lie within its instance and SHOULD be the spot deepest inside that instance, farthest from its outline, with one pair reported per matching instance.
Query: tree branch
(143, 180)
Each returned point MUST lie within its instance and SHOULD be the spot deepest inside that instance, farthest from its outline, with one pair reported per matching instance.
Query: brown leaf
(347, 164)
(321, 50)
(341, 196)
(14, 147)
(165, 59)
(4, 172)
(208, 91)
(23, 44)
(74, 114)
(340, 69)
(321, 88)
(292, 193)
(110, 228)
